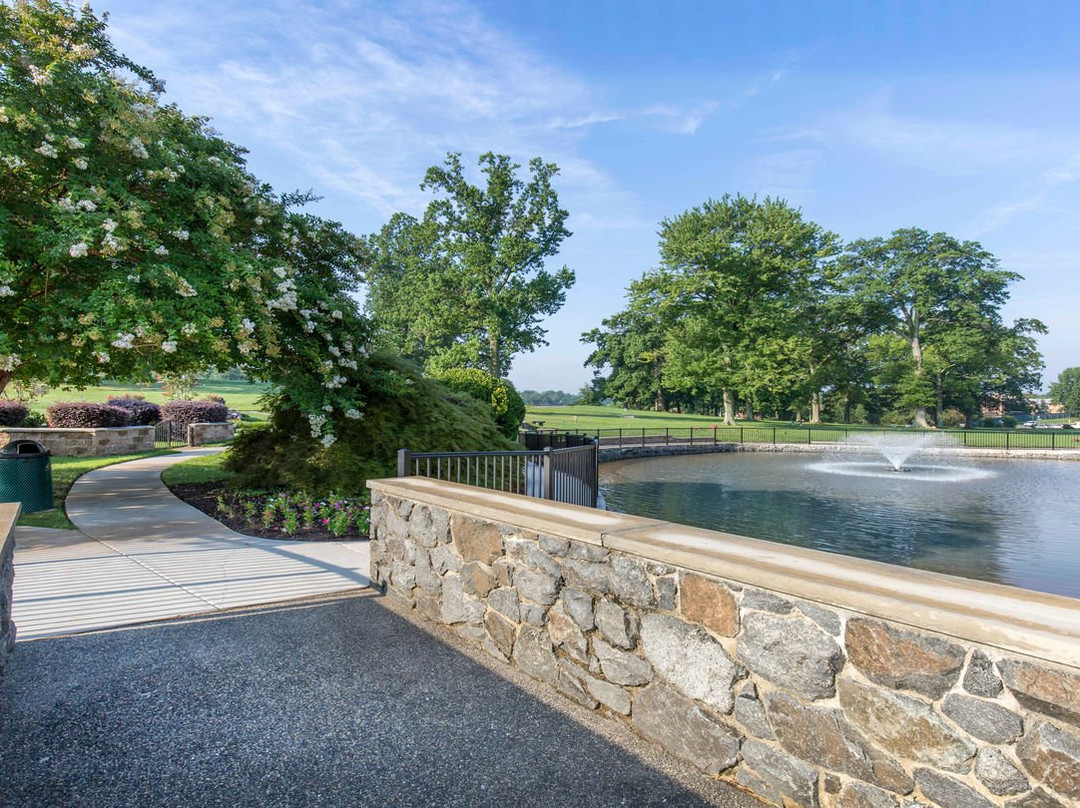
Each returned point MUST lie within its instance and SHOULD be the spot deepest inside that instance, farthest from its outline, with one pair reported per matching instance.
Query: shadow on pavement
(330, 702)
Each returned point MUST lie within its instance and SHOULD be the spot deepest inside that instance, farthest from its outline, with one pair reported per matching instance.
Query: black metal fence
(666, 436)
(567, 474)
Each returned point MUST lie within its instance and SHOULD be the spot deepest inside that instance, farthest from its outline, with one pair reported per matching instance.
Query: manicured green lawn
(65, 470)
(206, 469)
(242, 396)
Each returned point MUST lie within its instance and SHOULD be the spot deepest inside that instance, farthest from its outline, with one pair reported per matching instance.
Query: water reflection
(1002, 521)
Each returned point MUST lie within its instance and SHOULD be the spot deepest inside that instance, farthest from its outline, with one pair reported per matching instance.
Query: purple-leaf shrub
(12, 413)
(185, 412)
(86, 415)
(141, 411)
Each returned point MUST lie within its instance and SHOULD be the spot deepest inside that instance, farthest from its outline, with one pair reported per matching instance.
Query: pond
(1007, 521)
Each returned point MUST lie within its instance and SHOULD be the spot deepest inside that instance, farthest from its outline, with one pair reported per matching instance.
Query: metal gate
(169, 434)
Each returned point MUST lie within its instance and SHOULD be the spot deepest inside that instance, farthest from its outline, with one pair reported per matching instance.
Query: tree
(133, 240)
(933, 292)
(1066, 390)
(732, 271)
(629, 345)
(467, 285)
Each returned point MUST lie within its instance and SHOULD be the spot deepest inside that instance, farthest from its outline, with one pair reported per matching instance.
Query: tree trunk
(939, 385)
(815, 407)
(659, 405)
(920, 411)
(5, 377)
(749, 409)
(493, 354)
(729, 407)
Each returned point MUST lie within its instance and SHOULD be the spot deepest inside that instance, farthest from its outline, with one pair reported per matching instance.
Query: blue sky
(869, 116)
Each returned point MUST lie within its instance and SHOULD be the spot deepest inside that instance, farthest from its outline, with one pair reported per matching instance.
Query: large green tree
(467, 285)
(941, 298)
(1066, 390)
(731, 274)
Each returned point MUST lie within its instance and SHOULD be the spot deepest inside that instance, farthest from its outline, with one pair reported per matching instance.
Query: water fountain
(897, 449)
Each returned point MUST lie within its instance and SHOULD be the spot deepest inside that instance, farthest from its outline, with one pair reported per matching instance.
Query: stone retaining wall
(212, 432)
(9, 512)
(808, 678)
(86, 442)
(612, 454)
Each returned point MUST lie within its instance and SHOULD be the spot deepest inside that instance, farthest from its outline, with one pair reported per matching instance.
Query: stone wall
(201, 434)
(9, 512)
(808, 678)
(86, 442)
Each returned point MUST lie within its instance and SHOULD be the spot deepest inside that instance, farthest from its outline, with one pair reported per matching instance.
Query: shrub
(185, 412)
(1008, 422)
(34, 419)
(12, 413)
(506, 405)
(140, 411)
(86, 415)
(214, 397)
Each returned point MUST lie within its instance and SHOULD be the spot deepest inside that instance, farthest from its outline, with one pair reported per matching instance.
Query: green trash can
(26, 475)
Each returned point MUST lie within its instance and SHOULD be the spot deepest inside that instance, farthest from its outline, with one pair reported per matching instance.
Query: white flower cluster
(89, 205)
(109, 244)
(353, 413)
(137, 148)
(185, 289)
(287, 301)
(336, 314)
(180, 235)
(84, 51)
(39, 76)
(161, 249)
(348, 363)
(125, 341)
(79, 250)
(80, 163)
(316, 421)
(169, 346)
(47, 150)
(9, 362)
(73, 142)
(189, 330)
(247, 326)
(13, 161)
(101, 357)
(328, 441)
(6, 291)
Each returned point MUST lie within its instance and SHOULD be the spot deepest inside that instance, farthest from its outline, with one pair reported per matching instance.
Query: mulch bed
(204, 497)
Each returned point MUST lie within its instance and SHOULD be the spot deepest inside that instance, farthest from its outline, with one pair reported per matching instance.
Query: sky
(871, 116)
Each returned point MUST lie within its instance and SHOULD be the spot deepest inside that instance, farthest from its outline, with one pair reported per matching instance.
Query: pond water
(1008, 521)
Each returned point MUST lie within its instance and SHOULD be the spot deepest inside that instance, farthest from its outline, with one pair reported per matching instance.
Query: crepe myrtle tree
(133, 240)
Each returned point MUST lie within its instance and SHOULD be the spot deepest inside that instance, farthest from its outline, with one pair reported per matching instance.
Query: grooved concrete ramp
(141, 554)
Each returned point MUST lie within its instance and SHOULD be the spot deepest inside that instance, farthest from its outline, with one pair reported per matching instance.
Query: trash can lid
(23, 448)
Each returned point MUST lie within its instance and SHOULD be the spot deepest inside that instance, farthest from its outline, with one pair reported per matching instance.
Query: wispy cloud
(1038, 197)
(789, 174)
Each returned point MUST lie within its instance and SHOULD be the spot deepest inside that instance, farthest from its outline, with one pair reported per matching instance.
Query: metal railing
(169, 433)
(567, 475)
(622, 438)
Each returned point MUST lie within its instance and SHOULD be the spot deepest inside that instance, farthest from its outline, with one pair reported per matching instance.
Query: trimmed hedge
(86, 415)
(12, 413)
(140, 411)
(185, 412)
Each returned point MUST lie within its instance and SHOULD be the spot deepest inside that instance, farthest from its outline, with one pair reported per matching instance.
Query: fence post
(774, 436)
(1006, 441)
(549, 473)
(742, 440)
(714, 435)
(404, 458)
(667, 436)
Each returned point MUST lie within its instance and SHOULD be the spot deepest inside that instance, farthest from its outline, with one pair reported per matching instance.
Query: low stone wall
(810, 679)
(214, 432)
(9, 512)
(86, 442)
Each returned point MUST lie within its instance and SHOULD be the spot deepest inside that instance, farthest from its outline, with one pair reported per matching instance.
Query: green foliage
(1066, 390)
(506, 405)
(420, 415)
(467, 285)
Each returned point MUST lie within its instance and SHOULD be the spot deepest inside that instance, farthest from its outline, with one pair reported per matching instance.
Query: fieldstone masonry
(803, 703)
(86, 442)
(8, 513)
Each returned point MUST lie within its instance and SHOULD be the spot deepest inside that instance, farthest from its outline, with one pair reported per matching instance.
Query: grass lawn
(242, 396)
(206, 469)
(65, 470)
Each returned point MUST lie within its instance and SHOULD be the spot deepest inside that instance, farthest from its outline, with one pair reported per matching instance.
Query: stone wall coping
(9, 512)
(23, 430)
(1018, 620)
(582, 524)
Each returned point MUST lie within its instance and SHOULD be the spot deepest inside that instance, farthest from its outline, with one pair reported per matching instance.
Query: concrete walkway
(140, 554)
